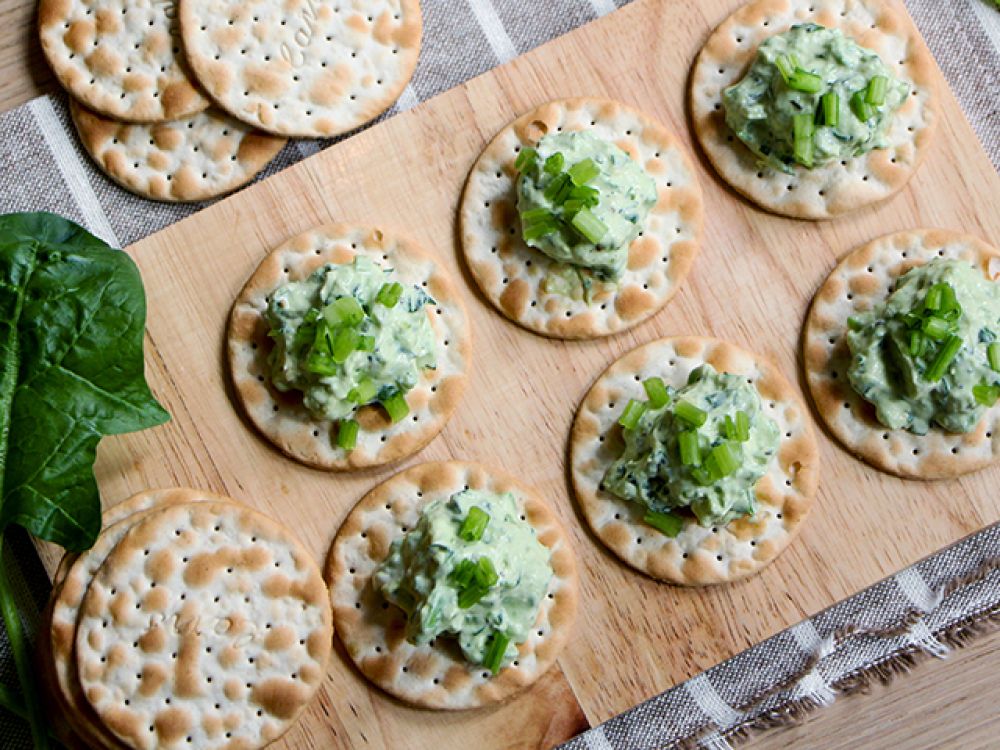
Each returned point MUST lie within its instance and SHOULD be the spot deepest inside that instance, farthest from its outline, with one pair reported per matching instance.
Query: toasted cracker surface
(436, 675)
(62, 721)
(282, 418)
(510, 274)
(863, 279)
(120, 57)
(202, 156)
(208, 625)
(697, 555)
(303, 69)
(67, 598)
(882, 26)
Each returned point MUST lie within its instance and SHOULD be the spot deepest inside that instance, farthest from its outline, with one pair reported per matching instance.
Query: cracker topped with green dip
(581, 218)
(693, 460)
(902, 353)
(453, 585)
(815, 109)
(349, 347)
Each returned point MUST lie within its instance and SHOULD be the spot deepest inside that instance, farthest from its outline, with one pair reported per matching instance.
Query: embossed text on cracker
(295, 56)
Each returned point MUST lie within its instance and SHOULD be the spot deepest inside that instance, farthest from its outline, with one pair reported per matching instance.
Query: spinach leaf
(72, 316)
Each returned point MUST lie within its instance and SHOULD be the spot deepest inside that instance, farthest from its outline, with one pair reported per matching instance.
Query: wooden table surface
(941, 703)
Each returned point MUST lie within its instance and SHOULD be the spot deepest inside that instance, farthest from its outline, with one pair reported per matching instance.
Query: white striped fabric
(493, 28)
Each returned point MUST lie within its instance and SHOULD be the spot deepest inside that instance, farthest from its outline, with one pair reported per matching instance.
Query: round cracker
(61, 720)
(303, 69)
(697, 556)
(882, 26)
(372, 631)
(863, 279)
(282, 418)
(67, 599)
(119, 57)
(208, 624)
(200, 157)
(510, 274)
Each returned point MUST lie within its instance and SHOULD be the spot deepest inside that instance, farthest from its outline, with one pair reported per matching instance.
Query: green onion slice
(389, 294)
(363, 392)
(345, 343)
(366, 344)
(666, 523)
(344, 311)
(831, 109)
(526, 159)
(539, 230)
(936, 328)
(944, 357)
(993, 354)
(486, 574)
(347, 434)
(688, 412)
(474, 524)
(916, 343)
(554, 164)
(933, 299)
(786, 66)
(742, 426)
(723, 460)
(656, 391)
(496, 652)
(860, 107)
(687, 442)
(875, 93)
(802, 133)
(589, 226)
(589, 195)
(583, 172)
(396, 407)
(558, 183)
(854, 324)
(632, 414)
(803, 80)
(986, 394)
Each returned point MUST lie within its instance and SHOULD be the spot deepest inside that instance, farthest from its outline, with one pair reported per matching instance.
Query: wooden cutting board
(751, 284)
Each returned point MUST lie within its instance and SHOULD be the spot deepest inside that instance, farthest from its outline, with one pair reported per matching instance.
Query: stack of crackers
(192, 622)
(185, 100)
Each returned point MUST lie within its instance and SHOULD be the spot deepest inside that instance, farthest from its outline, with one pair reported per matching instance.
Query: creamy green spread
(347, 336)
(928, 354)
(813, 96)
(473, 569)
(582, 200)
(701, 447)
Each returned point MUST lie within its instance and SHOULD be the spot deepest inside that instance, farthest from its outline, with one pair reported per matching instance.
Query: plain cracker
(119, 57)
(200, 157)
(67, 598)
(207, 625)
(697, 555)
(882, 26)
(282, 418)
(436, 675)
(306, 68)
(510, 274)
(863, 279)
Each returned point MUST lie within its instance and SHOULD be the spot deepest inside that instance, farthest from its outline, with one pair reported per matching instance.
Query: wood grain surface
(751, 284)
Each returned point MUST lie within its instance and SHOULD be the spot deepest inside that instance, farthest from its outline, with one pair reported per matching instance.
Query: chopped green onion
(656, 391)
(496, 652)
(876, 90)
(344, 311)
(831, 109)
(396, 407)
(541, 229)
(936, 328)
(933, 299)
(474, 524)
(665, 523)
(860, 107)
(320, 364)
(944, 357)
(589, 195)
(742, 426)
(366, 344)
(389, 294)
(688, 412)
(854, 324)
(993, 354)
(723, 460)
(702, 477)
(986, 394)
(949, 302)
(486, 574)
(687, 442)
(916, 343)
(471, 595)
(583, 172)
(573, 205)
(345, 342)
(464, 573)
(589, 226)
(526, 159)
(554, 164)
(363, 392)
(786, 66)
(347, 434)
(534, 215)
(632, 414)
(729, 427)
(803, 80)
(802, 131)
(554, 188)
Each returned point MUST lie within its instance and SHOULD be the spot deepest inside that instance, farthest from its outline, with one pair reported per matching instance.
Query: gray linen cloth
(925, 608)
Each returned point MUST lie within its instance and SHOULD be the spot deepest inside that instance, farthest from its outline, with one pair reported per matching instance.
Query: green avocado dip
(470, 568)
(813, 96)
(582, 201)
(929, 354)
(700, 447)
(348, 336)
